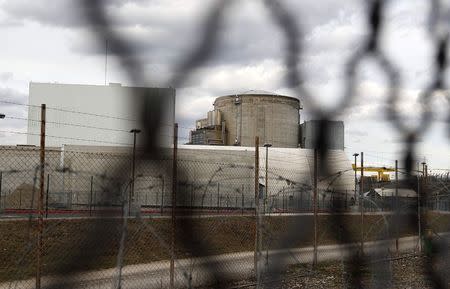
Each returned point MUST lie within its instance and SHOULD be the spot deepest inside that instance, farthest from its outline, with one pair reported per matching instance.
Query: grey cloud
(357, 132)
(13, 111)
(63, 13)
(162, 32)
(6, 76)
(10, 97)
(248, 35)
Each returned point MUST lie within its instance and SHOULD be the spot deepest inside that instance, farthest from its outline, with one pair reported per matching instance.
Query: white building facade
(95, 114)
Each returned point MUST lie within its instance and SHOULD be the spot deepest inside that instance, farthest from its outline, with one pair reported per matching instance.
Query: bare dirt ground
(407, 272)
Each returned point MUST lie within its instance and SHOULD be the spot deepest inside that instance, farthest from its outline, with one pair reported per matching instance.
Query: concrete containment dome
(272, 117)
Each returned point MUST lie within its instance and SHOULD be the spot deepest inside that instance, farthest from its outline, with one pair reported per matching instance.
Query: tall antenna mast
(106, 59)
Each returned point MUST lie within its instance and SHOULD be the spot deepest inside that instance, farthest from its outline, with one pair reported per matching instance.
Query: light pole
(133, 168)
(420, 190)
(356, 179)
(267, 146)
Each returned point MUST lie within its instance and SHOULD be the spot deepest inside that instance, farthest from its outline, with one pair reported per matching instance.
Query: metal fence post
(133, 170)
(162, 195)
(256, 250)
(397, 213)
(1, 180)
(46, 196)
(90, 197)
(174, 205)
(420, 183)
(218, 197)
(242, 200)
(41, 201)
(315, 206)
(361, 197)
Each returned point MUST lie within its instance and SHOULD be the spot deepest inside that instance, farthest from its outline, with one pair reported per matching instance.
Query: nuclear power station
(237, 119)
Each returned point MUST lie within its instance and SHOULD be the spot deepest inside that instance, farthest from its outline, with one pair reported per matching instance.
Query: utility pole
(257, 217)
(133, 170)
(174, 205)
(267, 146)
(316, 152)
(41, 200)
(361, 202)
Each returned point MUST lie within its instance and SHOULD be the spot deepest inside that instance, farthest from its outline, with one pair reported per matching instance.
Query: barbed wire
(292, 31)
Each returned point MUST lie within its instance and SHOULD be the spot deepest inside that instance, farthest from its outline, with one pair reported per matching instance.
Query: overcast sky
(50, 41)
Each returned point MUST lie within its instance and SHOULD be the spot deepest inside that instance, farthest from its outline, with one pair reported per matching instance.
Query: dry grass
(87, 244)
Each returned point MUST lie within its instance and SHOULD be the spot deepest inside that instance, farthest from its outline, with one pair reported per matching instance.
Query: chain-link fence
(165, 220)
(100, 230)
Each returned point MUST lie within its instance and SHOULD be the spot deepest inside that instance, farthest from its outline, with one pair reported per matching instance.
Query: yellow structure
(382, 177)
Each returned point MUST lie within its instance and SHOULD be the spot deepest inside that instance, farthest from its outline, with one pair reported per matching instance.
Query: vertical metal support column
(361, 202)
(421, 186)
(162, 195)
(90, 197)
(174, 205)
(242, 200)
(46, 196)
(397, 213)
(267, 146)
(419, 226)
(41, 200)
(356, 178)
(315, 205)
(218, 197)
(1, 180)
(257, 213)
(133, 171)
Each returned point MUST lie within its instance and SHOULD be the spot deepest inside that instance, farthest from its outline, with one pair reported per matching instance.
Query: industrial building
(237, 119)
(219, 172)
(95, 114)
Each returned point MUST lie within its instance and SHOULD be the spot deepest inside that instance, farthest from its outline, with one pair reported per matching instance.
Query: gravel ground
(404, 273)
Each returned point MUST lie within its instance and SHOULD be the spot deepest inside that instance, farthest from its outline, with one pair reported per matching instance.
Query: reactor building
(238, 118)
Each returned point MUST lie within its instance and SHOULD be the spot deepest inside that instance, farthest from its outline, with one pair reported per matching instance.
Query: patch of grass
(88, 244)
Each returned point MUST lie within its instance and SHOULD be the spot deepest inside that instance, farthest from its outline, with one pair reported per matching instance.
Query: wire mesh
(105, 228)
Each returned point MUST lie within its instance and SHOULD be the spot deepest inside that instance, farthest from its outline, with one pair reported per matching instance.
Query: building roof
(260, 93)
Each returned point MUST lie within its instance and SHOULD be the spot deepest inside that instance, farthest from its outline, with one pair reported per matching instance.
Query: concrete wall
(274, 118)
(207, 175)
(211, 175)
(120, 102)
